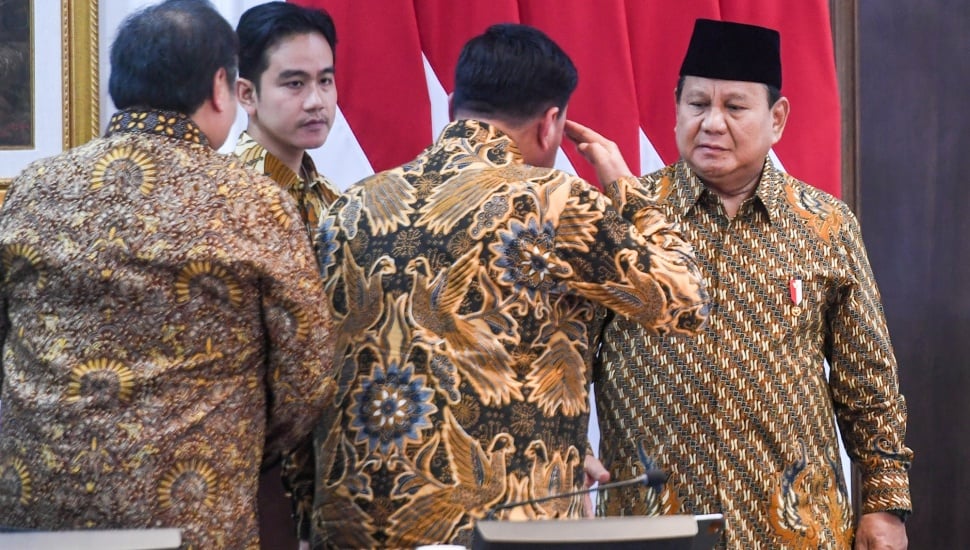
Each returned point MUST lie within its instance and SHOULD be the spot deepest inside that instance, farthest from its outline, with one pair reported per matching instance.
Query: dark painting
(16, 121)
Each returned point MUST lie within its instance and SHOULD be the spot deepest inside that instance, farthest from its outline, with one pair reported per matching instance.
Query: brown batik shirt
(312, 192)
(741, 415)
(164, 334)
(467, 286)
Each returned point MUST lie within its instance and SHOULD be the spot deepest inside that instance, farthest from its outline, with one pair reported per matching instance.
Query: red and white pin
(795, 290)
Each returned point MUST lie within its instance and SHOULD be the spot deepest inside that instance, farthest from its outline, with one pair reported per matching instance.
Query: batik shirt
(164, 333)
(465, 285)
(741, 415)
(313, 194)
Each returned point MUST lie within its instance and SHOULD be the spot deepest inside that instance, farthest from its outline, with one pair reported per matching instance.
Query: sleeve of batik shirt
(299, 466)
(865, 389)
(299, 330)
(640, 267)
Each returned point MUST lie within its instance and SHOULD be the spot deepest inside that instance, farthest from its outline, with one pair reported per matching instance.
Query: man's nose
(314, 99)
(713, 120)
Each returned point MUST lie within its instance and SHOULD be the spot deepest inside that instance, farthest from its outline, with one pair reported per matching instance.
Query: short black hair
(165, 56)
(262, 27)
(513, 72)
(774, 93)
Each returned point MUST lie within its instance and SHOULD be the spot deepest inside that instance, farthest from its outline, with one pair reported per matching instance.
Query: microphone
(650, 478)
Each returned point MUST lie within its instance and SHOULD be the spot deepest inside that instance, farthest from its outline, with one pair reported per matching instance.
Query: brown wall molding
(845, 35)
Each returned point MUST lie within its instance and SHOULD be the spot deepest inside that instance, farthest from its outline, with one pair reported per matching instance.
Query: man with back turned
(468, 285)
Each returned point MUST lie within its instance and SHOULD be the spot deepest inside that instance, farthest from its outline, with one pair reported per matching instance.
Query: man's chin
(313, 141)
(708, 169)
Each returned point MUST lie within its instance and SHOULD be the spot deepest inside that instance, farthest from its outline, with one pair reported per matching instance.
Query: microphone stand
(644, 479)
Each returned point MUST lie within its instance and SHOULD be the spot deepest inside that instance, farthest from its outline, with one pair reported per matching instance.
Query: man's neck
(291, 158)
(733, 196)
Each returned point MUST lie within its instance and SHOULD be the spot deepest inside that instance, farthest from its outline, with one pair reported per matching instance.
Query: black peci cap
(733, 51)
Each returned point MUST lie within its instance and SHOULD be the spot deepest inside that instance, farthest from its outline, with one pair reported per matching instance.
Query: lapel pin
(795, 290)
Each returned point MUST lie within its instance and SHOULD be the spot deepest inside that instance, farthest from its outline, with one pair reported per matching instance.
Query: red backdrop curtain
(628, 53)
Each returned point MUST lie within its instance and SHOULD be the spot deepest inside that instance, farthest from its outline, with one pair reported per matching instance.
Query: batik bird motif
(387, 200)
(433, 305)
(639, 288)
(465, 192)
(436, 509)
(364, 297)
(550, 476)
(334, 499)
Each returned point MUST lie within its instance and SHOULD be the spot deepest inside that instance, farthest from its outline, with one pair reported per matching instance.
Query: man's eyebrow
(737, 96)
(696, 93)
(290, 73)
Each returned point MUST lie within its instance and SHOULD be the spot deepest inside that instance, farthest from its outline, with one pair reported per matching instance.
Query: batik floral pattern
(165, 334)
(468, 289)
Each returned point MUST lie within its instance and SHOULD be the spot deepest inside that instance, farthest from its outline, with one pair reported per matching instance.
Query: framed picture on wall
(38, 119)
(16, 97)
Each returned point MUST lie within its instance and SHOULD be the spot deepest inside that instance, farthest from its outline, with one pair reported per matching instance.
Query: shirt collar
(692, 190)
(487, 141)
(248, 148)
(156, 121)
(771, 190)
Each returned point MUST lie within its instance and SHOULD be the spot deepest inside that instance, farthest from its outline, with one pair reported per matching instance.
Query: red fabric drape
(380, 77)
(628, 53)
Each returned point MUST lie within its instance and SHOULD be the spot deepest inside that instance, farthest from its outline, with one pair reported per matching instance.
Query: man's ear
(223, 96)
(547, 130)
(779, 117)
(246, 94)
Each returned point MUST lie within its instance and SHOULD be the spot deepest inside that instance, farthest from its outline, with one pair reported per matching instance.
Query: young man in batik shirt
(286, 86)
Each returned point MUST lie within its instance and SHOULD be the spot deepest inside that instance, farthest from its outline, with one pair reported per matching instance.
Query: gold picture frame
(79, 74)
(79, 41)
